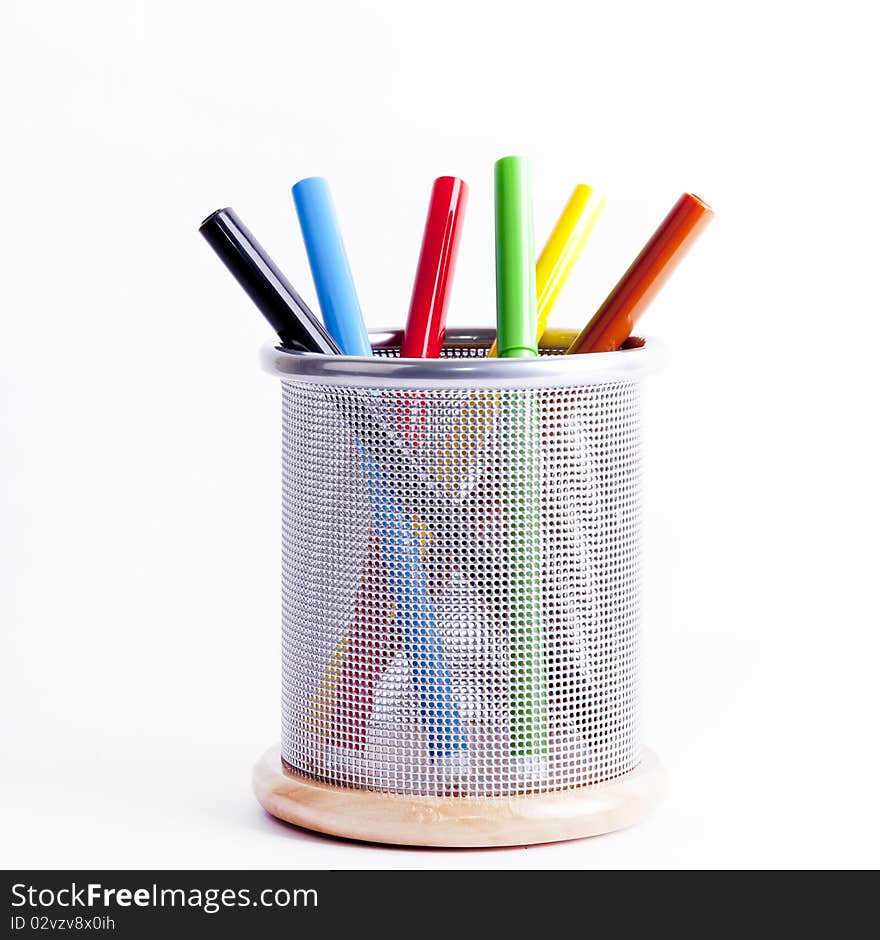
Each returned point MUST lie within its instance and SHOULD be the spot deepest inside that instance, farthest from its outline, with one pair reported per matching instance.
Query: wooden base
(458, 822)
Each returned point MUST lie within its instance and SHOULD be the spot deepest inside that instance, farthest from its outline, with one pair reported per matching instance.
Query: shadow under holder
(461, 594)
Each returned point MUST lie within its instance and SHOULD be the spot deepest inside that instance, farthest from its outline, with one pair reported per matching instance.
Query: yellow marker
(320, 709)
(562, 250)
(321, 706)
(475, 419)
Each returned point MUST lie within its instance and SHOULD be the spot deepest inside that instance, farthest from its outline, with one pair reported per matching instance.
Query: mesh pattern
(461, 587)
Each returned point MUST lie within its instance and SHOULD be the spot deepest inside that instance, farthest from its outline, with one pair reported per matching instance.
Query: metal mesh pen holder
(461, 593)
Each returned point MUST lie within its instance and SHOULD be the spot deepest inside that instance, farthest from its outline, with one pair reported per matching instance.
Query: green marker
(515, 294)
(517, 328)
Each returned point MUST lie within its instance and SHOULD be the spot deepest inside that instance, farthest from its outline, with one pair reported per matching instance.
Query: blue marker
(330, 270)
(415, 612)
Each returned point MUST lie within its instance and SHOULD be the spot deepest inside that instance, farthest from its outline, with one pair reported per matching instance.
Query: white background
(140, 471)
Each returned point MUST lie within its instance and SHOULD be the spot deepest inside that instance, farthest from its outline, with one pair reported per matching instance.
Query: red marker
(426, 323)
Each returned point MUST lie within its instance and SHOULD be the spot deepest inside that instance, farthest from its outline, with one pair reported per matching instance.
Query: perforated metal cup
(461, 567)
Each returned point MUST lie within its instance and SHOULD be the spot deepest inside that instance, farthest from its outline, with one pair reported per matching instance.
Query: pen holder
(461, 595)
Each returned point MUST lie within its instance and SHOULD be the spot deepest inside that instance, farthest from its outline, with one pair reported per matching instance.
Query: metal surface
(464, 362)
(461, 574)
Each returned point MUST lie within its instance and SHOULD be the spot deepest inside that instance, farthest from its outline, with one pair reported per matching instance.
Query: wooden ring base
(458, 822)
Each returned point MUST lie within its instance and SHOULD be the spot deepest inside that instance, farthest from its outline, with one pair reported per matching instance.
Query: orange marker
(614, 321)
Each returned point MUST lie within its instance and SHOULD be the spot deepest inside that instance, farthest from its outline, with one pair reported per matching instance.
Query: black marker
(299, 328)
(266, 286)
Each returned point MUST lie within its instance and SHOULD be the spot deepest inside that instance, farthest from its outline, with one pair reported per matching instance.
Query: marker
(367, 648)
(342, 315)
(414, 609)
(615, 320)
(563, 248)
(522, 508)
(515, 299)
(518, 337)
(330, 269)
(267, 287)
(426, 323)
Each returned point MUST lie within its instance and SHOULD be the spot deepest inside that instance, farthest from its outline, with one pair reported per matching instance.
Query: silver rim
(467, 368)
